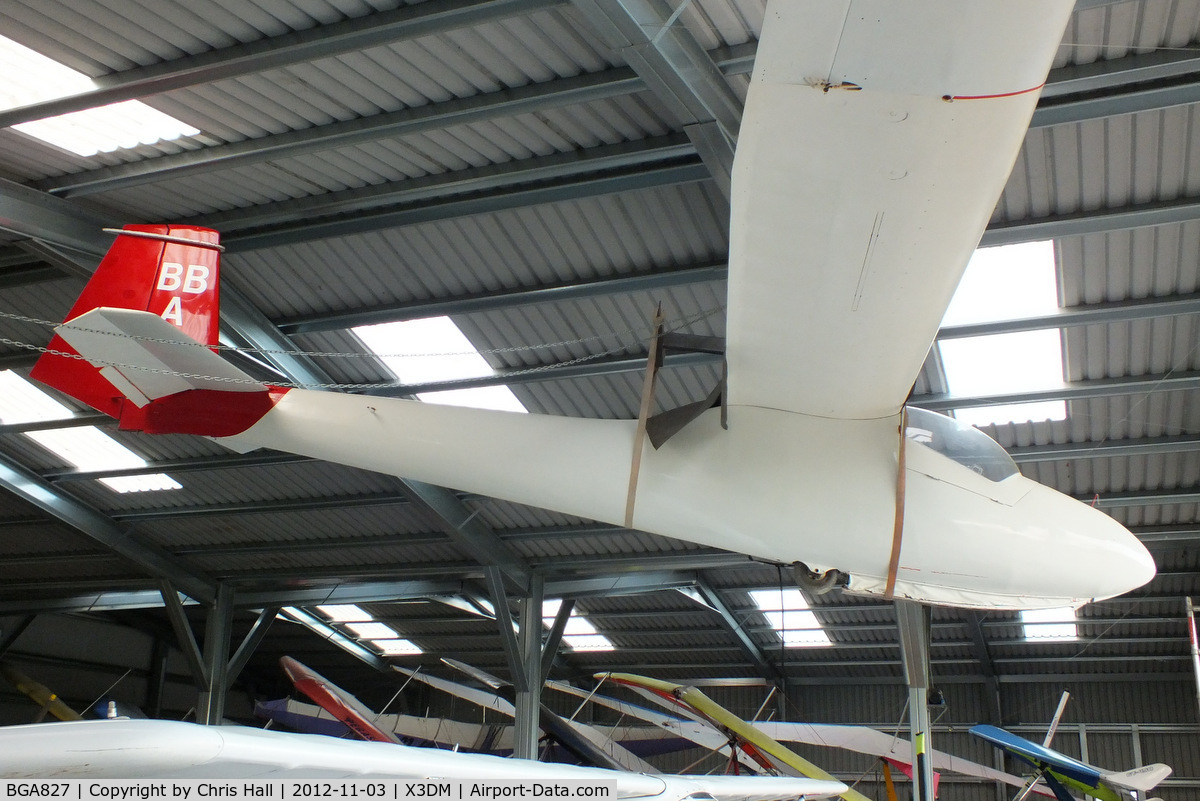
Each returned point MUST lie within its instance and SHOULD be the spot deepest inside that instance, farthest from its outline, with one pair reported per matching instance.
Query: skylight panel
(87, 448)
(31, 77)
(372, 630)
(579, 634)
(1050, 625)
(152, 482)
(1008, 282)
(1004, 363)
(434, 349)
(343, 613)
(789, 614)
(22, 402)
(398, 647)
(1005, 283)
(351, 617)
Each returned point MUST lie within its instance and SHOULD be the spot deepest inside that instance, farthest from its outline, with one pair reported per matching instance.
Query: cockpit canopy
(965, 444)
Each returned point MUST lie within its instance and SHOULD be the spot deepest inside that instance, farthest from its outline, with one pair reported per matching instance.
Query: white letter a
(174, 312)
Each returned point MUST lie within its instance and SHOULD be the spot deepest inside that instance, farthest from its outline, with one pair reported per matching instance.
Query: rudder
(168, 270)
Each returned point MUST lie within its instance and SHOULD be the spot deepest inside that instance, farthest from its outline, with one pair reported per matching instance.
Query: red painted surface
(335, 701)
(128, 278)
(205, 412)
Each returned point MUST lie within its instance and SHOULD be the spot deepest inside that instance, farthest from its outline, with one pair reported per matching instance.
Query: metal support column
(913, 621)
(1191, 621)
(157, 681)
(210, 706)
(529, 698)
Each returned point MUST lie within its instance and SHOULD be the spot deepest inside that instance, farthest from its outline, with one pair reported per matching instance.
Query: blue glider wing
(1041, 758)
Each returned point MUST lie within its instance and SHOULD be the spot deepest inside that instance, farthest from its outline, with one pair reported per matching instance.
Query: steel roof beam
(585, 88)
(76, 421)
(29, 213)
(1110, 75)
(475, 303)
(1139, 498)
(663, 162)
(589, 87)
(610, 585)
(463, 528)
(1144, 82)
(1109, 448)
(1076, 390)
(682, 76)
(1089, 314)
(1119, 311)
(99, 602)
(1096, 221)
(345, 592)
(18, 360)
(322, 41)
(556, 372)
(1167, 536)
(335, 636)
(532, 98)
(734, 626)
(103, 529)
(264, 507)
(530, 182)
(33, 272)
(227, 461)
(605, 565)
(386, 540)
(349, 593)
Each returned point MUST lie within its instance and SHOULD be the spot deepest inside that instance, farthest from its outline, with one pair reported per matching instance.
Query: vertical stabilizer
(168, 270)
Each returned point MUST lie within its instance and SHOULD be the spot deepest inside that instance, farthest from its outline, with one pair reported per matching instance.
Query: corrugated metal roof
(305, 524)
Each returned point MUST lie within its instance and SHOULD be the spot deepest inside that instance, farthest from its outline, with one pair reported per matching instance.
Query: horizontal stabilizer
(1140, 779)
(147, 358)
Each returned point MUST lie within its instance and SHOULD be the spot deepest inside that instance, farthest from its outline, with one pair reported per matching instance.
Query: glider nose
(1092, 556)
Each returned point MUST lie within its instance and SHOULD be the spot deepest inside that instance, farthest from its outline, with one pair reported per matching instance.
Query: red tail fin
(171, 271)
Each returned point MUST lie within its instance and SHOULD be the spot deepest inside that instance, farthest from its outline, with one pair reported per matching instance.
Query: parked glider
(39, 693)
(584, 742)
(760, 740)
(129, 749)
(1060, 771)
(875, 141)
(344, 707)
(588, 747)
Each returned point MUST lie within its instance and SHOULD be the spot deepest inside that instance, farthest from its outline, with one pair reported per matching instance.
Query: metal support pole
(157, 682)
(913, 621)
(1191, 614)
(210, 706)
(529, 699)
(1083, 749)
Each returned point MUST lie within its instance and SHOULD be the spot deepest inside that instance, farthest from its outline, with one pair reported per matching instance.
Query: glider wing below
(128, 749)
(583, 741)
(336, 701)
(764, 750)
(1060, 771)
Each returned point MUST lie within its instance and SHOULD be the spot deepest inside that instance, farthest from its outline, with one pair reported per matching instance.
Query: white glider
(876, 139)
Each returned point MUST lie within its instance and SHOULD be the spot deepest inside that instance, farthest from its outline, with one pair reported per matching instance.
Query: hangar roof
(502, 162)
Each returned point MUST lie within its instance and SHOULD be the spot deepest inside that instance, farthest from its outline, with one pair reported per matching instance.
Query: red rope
(950, 98)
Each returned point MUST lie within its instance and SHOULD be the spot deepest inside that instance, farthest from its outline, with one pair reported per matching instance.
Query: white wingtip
(1140, 779)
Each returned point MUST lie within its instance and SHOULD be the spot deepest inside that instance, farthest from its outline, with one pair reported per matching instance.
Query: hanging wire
(676, 325)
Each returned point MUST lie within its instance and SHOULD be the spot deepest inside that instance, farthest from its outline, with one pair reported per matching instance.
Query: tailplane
(167, 270)
(138, 343)
(1139, 780)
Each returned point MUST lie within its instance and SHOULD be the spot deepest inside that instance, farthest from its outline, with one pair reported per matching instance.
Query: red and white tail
(138, 343)
(168, 270)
